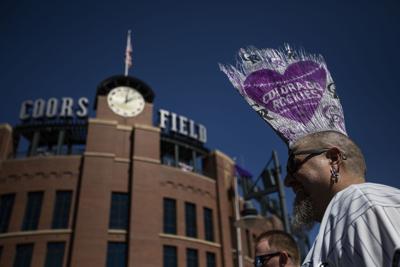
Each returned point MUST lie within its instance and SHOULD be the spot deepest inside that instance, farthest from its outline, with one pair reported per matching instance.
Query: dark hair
(355, 161)
(281, 240)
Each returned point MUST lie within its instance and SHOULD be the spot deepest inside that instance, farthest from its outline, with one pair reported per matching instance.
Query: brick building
(115, 189)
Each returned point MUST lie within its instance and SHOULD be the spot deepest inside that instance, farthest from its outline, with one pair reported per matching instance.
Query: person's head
(276, 248)
(319, 166)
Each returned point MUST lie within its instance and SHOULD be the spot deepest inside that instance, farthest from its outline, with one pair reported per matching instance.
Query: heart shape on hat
(295, 94)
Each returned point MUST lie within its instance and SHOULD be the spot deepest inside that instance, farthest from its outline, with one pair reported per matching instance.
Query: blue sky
(65, 48)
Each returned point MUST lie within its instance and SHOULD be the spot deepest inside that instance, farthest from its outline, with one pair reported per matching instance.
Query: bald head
(355, 163)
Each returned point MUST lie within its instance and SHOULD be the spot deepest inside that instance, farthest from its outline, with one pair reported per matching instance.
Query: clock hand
(130, 99)
(126, 96)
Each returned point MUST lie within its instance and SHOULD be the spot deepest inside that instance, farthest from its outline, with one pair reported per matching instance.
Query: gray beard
(303, 214)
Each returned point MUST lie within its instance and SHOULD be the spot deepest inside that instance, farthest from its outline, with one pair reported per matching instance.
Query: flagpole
(128, 51)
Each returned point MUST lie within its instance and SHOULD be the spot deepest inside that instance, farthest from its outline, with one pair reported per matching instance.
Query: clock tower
(122, 156)
(124, 99)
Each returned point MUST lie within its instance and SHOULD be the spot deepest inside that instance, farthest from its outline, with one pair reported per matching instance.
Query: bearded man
(360, 222)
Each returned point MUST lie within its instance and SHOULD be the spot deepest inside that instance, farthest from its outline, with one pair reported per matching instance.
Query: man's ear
(335, 156)
(283, 259)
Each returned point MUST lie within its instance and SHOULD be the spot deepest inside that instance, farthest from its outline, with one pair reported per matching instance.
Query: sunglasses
(259, 261)
(294, 165)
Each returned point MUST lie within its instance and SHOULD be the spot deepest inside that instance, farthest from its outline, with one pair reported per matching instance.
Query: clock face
(125, 101)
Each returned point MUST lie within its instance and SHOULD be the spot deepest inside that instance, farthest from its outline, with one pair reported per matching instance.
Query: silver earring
(334, 175)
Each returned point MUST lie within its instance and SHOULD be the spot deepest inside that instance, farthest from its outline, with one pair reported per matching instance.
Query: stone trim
(123, 160)
(124, 127)
(117, 232)
(226, 157)
(190, 239)
(99, 154)
(33, 233)
(147, 128)
(146, 159)
(6, 126)
(104, 122)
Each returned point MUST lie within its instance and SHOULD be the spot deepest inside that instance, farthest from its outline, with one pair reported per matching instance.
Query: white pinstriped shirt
(360, 227)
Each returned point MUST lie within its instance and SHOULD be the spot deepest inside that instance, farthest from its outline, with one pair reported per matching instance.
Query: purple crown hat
(292, 91)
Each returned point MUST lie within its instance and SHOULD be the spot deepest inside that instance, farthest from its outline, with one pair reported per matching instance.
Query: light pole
(272, 184)
(281, 192)
(237, 218)
(250, 217)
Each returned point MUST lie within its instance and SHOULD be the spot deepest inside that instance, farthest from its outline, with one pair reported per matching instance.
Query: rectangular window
(62, 209)
(248, 245)
(116, 254)
(190, 219)
(208, 224)
(169, 216)
(32, 211)
(23, 255)
(170, 256)
(119, 211)
(55, 254)
(186, 158)
(233, 232)
(199, 162)
(6, 207)
(192, 259)
(168, 153)
(211, 259)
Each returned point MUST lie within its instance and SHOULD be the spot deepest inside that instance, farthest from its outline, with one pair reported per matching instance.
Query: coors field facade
(115, 189)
